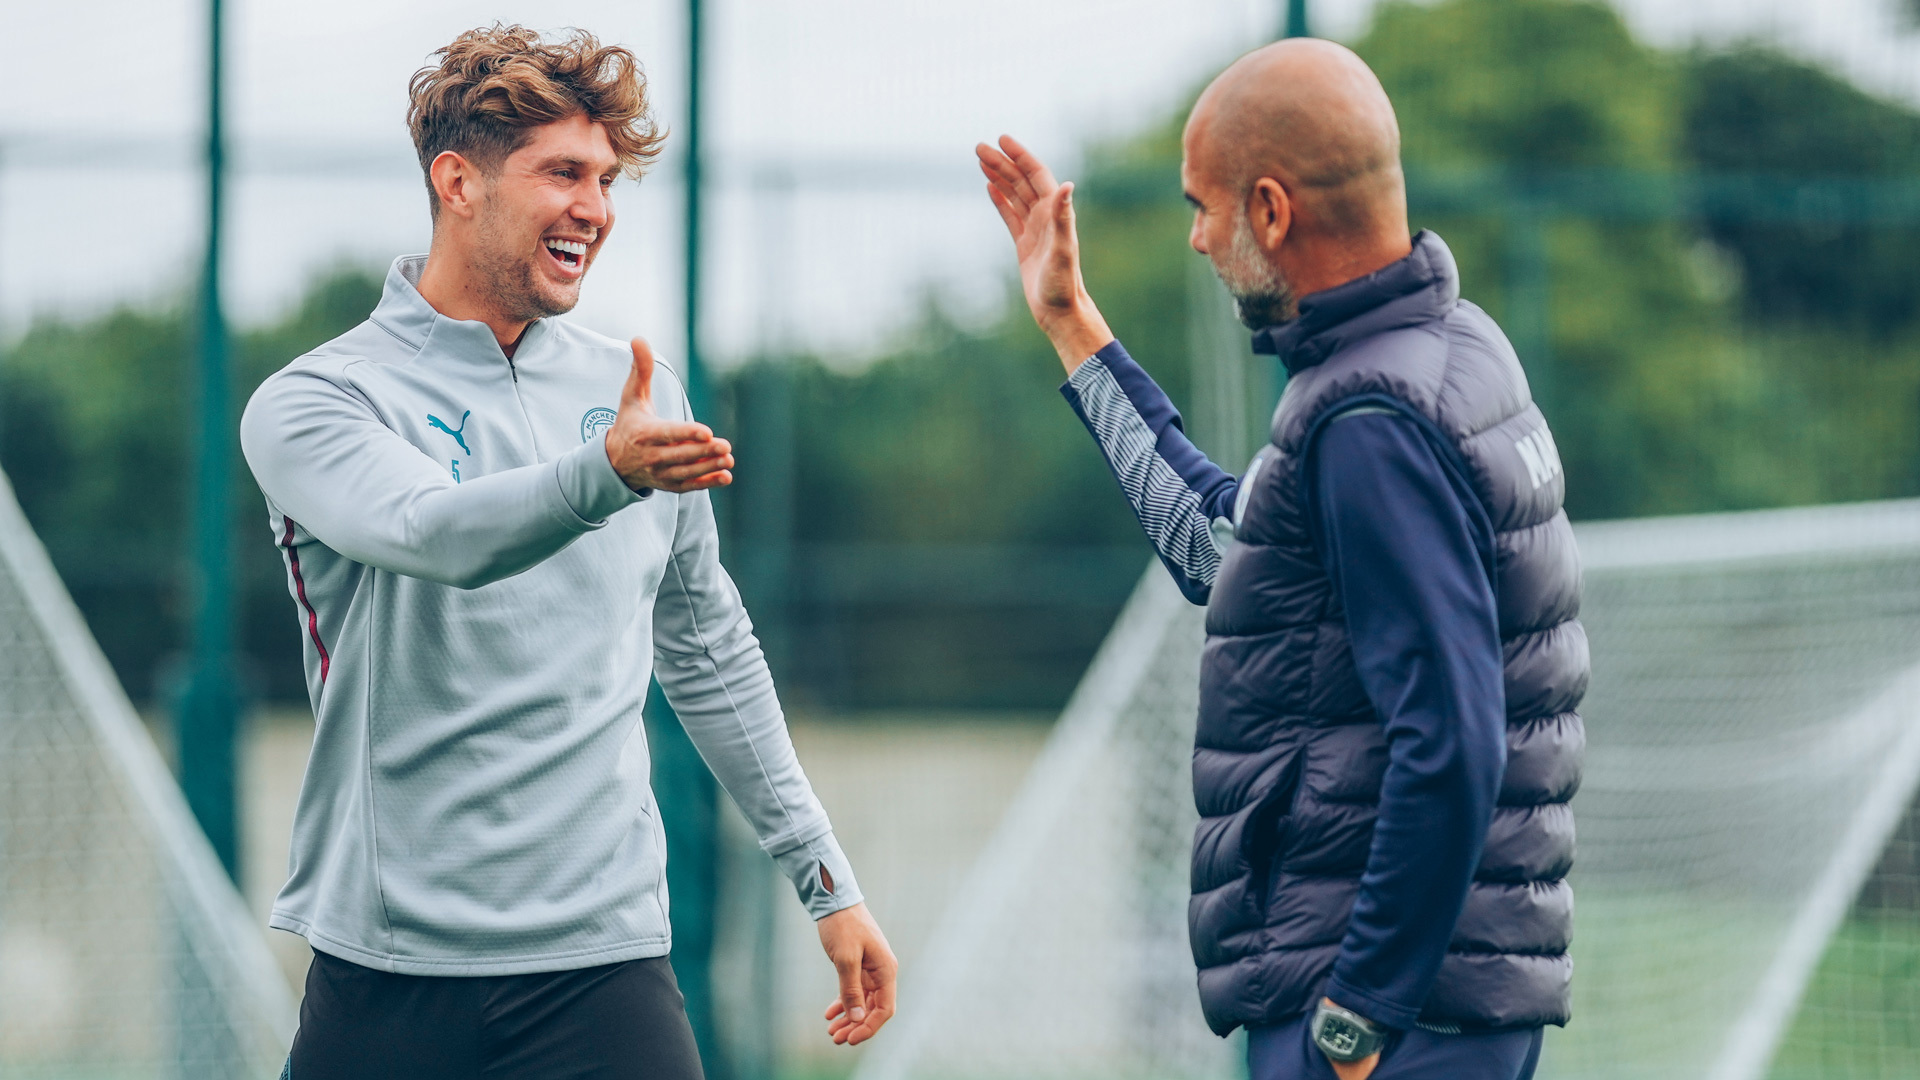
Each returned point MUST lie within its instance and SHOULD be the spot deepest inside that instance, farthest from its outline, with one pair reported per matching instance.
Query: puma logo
(457, 437)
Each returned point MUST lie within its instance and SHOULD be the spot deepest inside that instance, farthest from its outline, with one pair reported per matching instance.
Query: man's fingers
(883, 997)
(1030, 180)
(1015, 192)
(639, 388)
(851, 995)
(877, 1017)
(684, 462)
(674, 433)
(882, 977)
(674, 474)
(699, 483)
(1002, 176)
(681, 451)
(1031, 167)
(1014, 209)
(998, 167)
(1016, 223)
(878, 974)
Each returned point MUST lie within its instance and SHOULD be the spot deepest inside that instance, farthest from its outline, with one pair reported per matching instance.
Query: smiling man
(492, 545)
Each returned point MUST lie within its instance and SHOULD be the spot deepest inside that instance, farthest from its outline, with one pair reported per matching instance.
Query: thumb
(1063, 215)
(852, 997)
(639, 388)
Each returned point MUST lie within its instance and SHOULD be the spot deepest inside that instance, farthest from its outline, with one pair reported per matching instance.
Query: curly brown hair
(494, 85)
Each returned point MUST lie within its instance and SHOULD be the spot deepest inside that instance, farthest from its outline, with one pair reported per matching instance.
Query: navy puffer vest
(1289, 755)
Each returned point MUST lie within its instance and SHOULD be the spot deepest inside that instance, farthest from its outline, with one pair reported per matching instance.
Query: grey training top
(483, 601)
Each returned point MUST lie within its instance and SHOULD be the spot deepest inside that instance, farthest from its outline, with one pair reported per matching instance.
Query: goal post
(1064, 951)
(1753, 744)
(125, 952)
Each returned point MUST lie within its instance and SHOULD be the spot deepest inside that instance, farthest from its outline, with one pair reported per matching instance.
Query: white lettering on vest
(1540, 455)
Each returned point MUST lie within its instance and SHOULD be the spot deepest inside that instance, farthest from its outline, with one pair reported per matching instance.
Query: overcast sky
(100, 201)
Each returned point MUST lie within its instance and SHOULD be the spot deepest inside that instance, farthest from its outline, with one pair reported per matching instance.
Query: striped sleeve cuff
(1172, 513)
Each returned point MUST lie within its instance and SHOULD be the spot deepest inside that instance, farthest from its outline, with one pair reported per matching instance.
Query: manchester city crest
(595, 422)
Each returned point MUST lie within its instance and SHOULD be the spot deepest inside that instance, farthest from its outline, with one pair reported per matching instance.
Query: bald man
(1387, 740)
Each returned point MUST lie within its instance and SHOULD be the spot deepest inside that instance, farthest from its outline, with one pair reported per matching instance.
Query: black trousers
(1285, 1051)
(615, 1022)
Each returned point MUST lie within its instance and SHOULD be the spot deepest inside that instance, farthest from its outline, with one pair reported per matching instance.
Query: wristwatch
(1344, 1035)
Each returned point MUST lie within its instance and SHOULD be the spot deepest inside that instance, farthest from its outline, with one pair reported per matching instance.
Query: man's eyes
(569, 174)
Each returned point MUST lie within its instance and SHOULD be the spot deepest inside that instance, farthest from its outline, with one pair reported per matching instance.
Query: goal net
(125, 954)
(1753, 749)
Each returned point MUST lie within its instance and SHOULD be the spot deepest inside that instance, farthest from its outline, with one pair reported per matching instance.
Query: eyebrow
(571, 162)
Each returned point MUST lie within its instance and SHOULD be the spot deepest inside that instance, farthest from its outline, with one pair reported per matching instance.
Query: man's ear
(457, 183)
(1270, 212)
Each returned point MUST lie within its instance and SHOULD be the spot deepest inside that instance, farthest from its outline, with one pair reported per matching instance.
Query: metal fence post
(209, 702)
(683, 787)
(1297, 19)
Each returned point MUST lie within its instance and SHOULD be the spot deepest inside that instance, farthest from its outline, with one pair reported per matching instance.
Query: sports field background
(871, 770)
(1698, 220)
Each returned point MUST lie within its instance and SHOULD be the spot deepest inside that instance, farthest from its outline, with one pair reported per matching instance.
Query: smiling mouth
(571, 254)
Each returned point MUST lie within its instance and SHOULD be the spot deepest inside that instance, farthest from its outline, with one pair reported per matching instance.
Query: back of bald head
(1312, 115)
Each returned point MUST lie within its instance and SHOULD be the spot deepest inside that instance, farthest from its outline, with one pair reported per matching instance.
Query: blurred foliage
(1690, 365)
(1541, 87)
(954, 439)
(1687, 365)
(1523, 84)
(1817, 124)
(96, 429)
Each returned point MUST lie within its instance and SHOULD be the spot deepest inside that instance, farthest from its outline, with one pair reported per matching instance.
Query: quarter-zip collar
(1415, 289)
(405, 314)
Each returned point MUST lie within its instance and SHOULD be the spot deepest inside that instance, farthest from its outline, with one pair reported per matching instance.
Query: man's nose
(1197, 237)
(595, 209)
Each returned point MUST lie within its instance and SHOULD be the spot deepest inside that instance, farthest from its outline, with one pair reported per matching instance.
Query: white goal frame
(1733, 540)
(208, 898)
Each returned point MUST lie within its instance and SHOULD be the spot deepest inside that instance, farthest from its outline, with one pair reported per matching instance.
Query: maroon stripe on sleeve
(300, 590)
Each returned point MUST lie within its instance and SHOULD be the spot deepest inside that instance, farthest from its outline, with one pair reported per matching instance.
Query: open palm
(1038, 211)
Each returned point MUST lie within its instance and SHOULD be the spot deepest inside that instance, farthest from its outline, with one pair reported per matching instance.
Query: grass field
(1860, 1018)
(1658, 980)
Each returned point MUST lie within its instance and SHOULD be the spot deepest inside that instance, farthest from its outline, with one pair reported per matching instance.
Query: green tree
(1673, 387)
(95, 428)
(1527, 85)
(1686, 365)
(1756, 112)
(1531, 93)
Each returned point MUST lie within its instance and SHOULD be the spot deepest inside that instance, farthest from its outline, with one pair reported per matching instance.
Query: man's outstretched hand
(1038, 211)
(671, 455)
(860, 954)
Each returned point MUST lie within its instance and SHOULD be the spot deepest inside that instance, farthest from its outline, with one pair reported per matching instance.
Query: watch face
(1338, 1037)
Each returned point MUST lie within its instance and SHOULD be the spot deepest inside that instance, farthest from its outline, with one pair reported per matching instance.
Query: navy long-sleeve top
(1411, 564)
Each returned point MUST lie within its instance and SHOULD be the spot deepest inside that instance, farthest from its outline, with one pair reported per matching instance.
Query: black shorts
(614, 1022)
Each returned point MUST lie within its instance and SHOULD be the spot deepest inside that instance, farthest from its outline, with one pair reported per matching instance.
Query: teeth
(572, 247)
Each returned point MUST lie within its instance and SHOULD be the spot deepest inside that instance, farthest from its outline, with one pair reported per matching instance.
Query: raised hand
(1038, 212)
(867, 969)
(670, 455)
